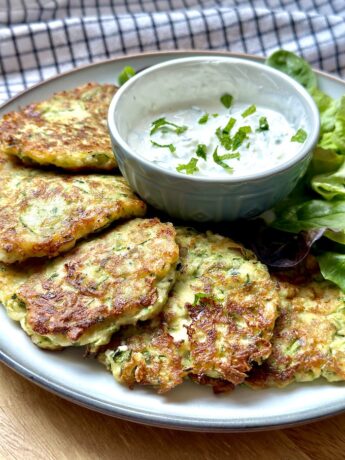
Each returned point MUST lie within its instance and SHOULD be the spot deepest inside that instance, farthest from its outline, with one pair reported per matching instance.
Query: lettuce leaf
(294, 66)
(323, 101)
(332, 266)
(330, 185)
(328, 108)
(324, 161)
(318, 201)
(333, 130)
(313, 214)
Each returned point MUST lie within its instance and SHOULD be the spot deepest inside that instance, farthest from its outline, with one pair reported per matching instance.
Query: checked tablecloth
(39, 38)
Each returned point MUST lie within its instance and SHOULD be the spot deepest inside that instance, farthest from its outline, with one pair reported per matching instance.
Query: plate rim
(143, 416)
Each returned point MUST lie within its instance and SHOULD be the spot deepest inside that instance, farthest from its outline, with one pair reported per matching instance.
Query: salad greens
(294, 66)
(318, 201)
(332, 266)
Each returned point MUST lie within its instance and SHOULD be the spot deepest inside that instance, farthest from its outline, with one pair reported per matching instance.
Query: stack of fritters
(217, 322)
(155, 304)
(115, 278)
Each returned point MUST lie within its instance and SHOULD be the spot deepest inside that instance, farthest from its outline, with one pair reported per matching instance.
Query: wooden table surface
(35, 424)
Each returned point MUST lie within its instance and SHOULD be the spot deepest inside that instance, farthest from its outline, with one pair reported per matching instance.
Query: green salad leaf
(330, 185)
(327, 108)
(324, 161)
(310, 214)
(313, 214)
(332, 267)
(294, 66)
(333, 127)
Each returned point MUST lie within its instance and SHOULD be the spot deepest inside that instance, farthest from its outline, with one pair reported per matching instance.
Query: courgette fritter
(11, 278)
(217, 322)
(118, 278)
(44, 214)
(309, 337)
(69, 130)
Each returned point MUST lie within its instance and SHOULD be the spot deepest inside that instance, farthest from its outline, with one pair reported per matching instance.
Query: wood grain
(35, 424)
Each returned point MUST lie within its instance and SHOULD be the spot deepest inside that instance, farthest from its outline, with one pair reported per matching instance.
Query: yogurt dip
(217, 139)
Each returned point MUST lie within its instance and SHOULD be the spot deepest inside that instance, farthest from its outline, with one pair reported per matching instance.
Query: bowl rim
(306, 148)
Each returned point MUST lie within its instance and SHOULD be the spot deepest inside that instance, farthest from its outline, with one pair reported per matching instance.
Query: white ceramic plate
(189, 406)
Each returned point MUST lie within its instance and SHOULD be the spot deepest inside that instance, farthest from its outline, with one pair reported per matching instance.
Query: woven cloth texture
(40, 38)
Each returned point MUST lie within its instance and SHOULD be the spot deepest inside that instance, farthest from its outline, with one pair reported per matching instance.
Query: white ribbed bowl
(200, 198)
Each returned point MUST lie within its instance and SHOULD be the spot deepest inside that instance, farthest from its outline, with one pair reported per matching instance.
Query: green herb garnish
(249, 111)
(240, 136)
(199, 296)
(215, 115)
(201, 151)
(226, 100)
(125, 74)
(224, 139)
(219, 159)
(223, 134)
(120, 356)
(190, 167)
(230, 124)
(204, 119)
(263, 124)
(171, 147)
(162, 123)
(300, 136)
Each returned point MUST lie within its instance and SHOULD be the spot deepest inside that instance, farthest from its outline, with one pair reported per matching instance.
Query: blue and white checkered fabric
(41, 38)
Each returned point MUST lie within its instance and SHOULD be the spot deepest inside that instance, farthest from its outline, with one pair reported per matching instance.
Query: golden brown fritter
(149, 356)
(117, 278)
(309, 337)
(44, 214)
(219, 320)
(69, 130)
